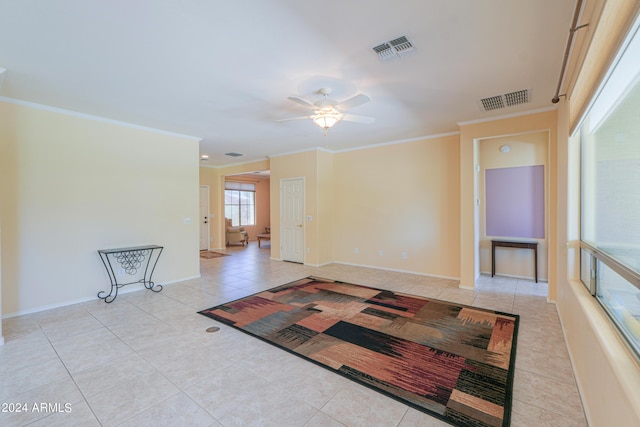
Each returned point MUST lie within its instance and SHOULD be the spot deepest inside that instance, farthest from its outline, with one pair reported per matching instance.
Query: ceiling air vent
(384, 52)
(492, 103)
(232, 154)
(394, 49)
(517, 97)
(507, 100)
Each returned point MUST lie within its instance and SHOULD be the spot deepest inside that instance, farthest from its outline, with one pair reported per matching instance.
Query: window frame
(240, 188)
(590, 256)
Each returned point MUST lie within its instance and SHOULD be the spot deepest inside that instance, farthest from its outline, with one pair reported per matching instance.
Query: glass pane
(235, 197)
(228, 197)
(234, 214)
(243, 215)
(588, 200)
(585, 268)
(610, 150)
(246, 197)
(250, 217)
(622, 301)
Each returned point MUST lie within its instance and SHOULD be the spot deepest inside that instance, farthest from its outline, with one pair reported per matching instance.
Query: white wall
(71, 185)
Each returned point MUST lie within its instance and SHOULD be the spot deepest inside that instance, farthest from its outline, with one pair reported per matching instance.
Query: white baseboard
(123, 290)
(397, 270)
(513, 276)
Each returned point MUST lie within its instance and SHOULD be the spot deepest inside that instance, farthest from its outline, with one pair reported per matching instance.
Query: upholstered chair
(235, 234)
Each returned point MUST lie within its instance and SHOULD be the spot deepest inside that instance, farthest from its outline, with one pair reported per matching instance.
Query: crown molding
(93, 118)
(508, 116)
(400, 141)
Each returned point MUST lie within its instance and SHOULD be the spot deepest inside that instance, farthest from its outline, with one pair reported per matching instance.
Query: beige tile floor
(146, 360)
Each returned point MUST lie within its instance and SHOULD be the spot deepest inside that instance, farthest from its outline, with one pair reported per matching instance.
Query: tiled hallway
(146, 359)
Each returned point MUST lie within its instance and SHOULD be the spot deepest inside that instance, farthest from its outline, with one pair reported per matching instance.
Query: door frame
(208, 215)
(304, 210)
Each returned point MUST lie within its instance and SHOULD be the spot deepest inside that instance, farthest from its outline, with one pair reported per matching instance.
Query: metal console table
(130, 261)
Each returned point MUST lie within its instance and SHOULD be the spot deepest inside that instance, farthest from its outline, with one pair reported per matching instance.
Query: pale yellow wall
(469, 221)
(73, 185)
(395, 198)
(298, 165)
(327, 210)
(399, 198)
(525, 150)
(263, 207)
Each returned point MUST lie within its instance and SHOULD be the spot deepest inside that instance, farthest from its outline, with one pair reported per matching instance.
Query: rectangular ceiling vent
(492, 103)
(232, 154)
(516, 98)
(506, 100)
(394, 49)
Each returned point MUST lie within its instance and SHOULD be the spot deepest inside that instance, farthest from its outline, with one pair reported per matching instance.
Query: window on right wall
(609, 137)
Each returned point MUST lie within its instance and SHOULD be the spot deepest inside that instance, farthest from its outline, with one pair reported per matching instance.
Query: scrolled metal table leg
(111, 296)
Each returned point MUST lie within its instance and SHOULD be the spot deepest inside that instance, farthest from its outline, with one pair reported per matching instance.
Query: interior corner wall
(72, 185)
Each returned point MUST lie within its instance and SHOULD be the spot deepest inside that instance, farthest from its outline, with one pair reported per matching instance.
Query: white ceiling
(222, 70)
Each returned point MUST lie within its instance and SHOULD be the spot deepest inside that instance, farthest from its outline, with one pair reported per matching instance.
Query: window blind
(242, 186)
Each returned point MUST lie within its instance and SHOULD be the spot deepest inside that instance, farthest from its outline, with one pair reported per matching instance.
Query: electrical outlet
(380, 252)
(404, 255)
(356, 251)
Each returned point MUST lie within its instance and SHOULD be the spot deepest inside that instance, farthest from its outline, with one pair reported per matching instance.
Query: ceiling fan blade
(302, 102)
(294, 118)
(352, 102)
(358, 119)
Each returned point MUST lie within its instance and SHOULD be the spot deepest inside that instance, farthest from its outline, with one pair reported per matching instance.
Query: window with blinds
(240, 203)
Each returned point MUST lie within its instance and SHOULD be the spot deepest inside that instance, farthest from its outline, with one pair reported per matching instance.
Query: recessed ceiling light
(204, 157)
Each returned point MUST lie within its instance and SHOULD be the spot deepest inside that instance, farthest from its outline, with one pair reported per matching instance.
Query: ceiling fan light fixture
(326, 121)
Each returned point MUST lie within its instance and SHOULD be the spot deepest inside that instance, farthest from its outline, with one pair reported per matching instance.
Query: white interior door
(204, 218)
(292, 220)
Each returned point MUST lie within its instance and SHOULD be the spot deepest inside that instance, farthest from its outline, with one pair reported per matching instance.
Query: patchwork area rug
(211, 254)
(451, 361)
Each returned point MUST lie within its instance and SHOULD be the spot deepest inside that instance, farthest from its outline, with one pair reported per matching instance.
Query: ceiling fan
(327, 112)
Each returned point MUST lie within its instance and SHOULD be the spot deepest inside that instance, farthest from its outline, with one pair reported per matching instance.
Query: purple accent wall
(515, 202)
